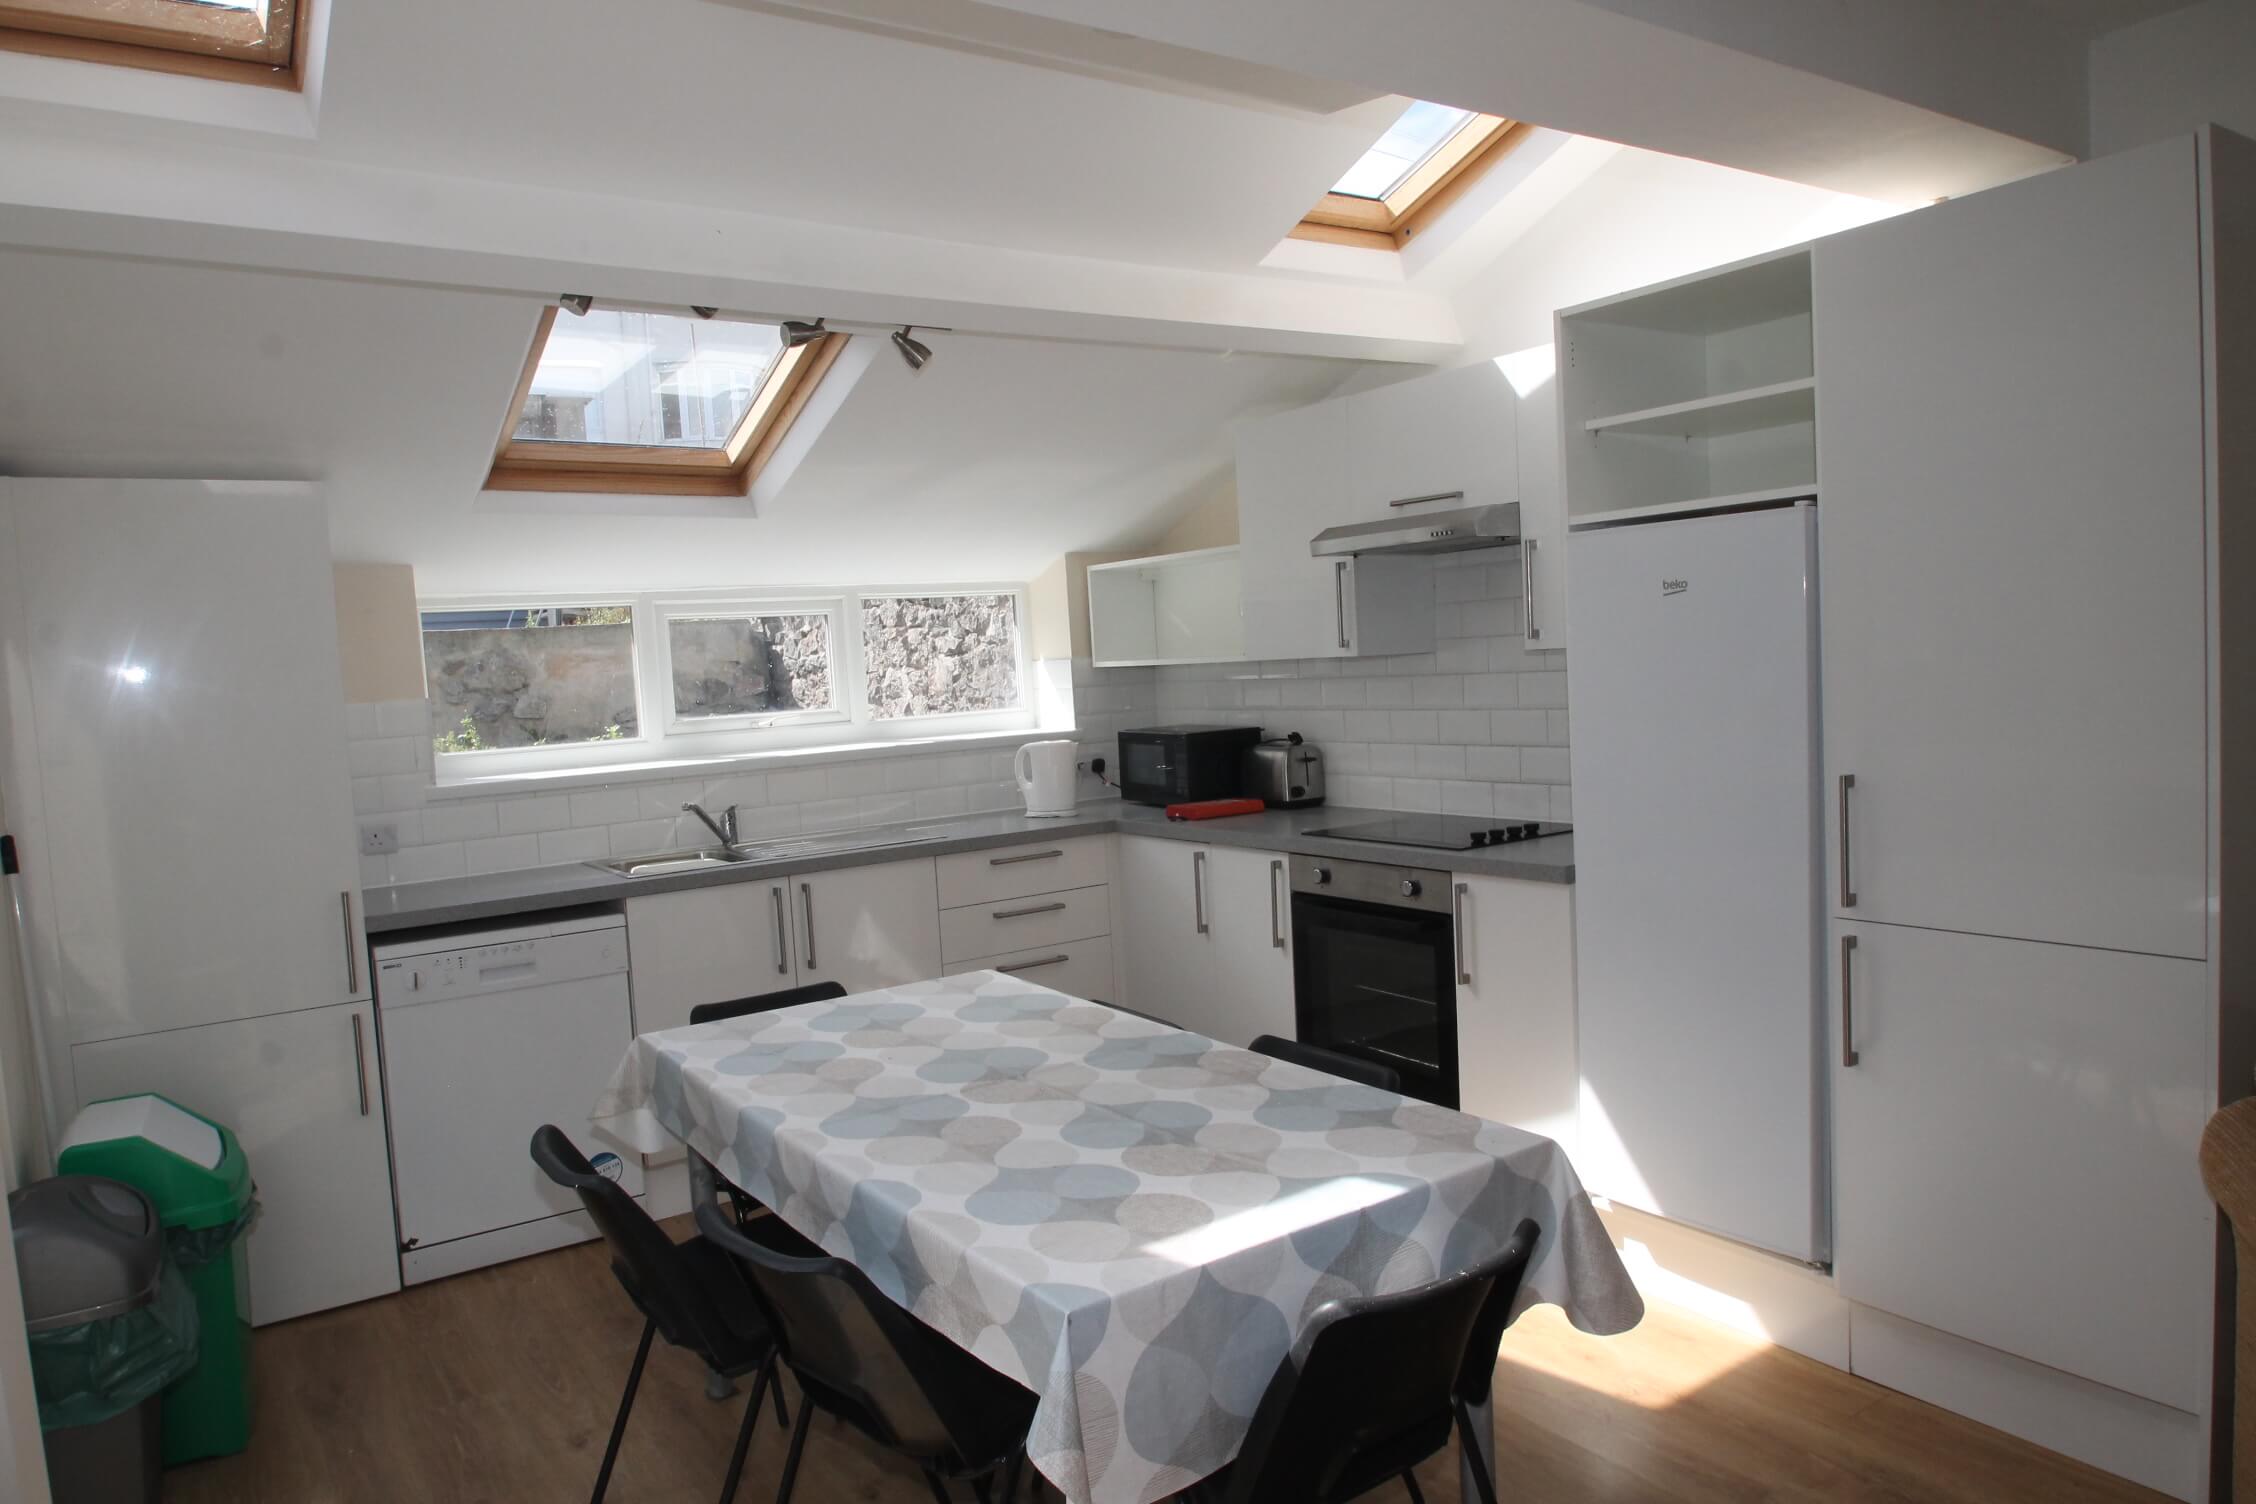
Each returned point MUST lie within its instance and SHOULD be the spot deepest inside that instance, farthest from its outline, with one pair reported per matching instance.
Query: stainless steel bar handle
(1057, 960)
(1527, 590)
(1198, 890)
(1339, 597)
(352, 949)
(782, 928)
(360, 1063)
(1848, 1005)
(1413, 501)
(1848, 888)
(1039, 908)
(1030, 856)
(807, 906)
(1457, 929)
(1276, 907)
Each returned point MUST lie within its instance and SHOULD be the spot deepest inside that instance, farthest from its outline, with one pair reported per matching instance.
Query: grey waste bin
(110, 1324)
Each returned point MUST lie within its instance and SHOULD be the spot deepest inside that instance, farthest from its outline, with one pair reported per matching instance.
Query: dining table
(1131, 1220)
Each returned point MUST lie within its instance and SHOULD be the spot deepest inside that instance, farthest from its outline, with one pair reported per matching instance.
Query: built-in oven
(1373, 968)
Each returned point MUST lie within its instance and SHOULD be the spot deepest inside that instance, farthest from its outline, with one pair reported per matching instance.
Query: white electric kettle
(1046, 775)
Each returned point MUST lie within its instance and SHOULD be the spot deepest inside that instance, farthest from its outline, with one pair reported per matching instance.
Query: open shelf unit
(1166, 609)
(1691, 395)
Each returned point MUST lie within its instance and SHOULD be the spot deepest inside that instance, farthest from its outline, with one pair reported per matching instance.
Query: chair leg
(939, 1489)
(774, 1366)
(1476, 1457)
(626, 1405)
(1010, 1476)
(743, 1439)
(798, 1445)
(1410, 1481)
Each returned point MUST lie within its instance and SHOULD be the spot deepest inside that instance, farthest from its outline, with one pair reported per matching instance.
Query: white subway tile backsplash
(529, 813)
(939, 803)
(1422, 795)
(382, 754)
(1493, 764)
(1463, 798)
(854, 779)
(1441, 762)
(604, 806)
(574, 846)
(403, 718)
(501, 854)
(463, 821)
(1417, 726)
(643, 837)
(798, 786)
(1464, 728)
(1543, 689)
(1520, 728)
(422, 864)
(1544, 764)
(1393, 759)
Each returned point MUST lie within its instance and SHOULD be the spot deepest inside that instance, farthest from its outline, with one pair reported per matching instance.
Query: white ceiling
(1002, 455)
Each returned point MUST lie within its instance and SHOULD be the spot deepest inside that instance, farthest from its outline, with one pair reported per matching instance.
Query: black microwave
(1184, 764)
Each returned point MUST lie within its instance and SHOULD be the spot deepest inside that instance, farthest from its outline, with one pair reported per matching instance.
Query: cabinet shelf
(1745, 411)
(1696, 504)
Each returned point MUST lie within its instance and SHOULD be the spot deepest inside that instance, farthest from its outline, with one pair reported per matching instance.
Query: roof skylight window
(249, 41)
(1431, 153)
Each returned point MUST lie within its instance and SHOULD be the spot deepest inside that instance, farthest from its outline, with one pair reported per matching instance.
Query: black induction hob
(1444, 832)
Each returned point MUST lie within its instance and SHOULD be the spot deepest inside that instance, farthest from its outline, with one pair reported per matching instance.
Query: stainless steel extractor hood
(1449, 532)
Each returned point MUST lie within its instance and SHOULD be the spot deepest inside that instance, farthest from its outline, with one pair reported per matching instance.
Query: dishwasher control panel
(501, 965)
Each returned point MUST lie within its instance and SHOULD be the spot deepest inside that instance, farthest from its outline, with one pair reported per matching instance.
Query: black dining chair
(689, 1293)
(863, 1359)
(1372, 1387)
(1476, 1376)
(766, 1002)
(1331, 1062)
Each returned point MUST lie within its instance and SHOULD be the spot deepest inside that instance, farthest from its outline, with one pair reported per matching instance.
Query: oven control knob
(1323, 875)
(1411, 887)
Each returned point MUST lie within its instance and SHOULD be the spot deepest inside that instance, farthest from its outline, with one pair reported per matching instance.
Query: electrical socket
(379, 840)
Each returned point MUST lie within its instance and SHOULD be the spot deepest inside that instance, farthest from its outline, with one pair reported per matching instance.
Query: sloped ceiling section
(1002, 455)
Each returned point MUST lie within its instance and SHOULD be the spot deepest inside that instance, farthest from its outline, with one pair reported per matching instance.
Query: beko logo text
(1675, 587)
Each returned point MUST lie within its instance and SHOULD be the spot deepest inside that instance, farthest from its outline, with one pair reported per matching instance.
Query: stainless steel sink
(659, 863)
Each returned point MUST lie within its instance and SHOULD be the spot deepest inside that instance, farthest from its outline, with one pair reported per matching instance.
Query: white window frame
(663, 738)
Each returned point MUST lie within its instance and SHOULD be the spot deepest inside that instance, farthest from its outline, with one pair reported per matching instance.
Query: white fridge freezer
(1698, 857)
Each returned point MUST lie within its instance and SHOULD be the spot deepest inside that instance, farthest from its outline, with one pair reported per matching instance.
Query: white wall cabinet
(2015, 1150)
(1201, 930)
(2012, 557)
(867, 927)
(1516, 1061)
(1430, 443)
(177, 770)
(1170, 608)
(300, 1090)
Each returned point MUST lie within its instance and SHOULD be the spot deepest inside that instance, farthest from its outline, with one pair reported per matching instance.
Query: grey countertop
(501, 895)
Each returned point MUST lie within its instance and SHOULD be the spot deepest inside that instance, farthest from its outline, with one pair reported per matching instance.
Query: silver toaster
(1284, 772)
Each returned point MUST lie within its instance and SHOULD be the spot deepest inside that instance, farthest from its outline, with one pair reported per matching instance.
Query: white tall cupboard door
(1516, 1013)
(1291, 486)
(300, 1091)
(867, 927)
(1437, 441)
(2015, 1150)
(1167, 950)
(707, 945)
(2010, 465)
(1250, 985)
(1543, 519)
(185, 755)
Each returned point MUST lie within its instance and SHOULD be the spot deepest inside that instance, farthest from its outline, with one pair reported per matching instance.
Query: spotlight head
(797, 332)
(915, 351)
(577, 303)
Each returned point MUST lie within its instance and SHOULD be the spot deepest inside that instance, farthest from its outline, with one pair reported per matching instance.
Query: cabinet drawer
(1016, 924)
(970, 877)
(1080, 968)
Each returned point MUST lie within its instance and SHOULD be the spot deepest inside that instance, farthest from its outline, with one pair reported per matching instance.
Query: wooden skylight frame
(167, 36)
(660, 469)
(1388, 224)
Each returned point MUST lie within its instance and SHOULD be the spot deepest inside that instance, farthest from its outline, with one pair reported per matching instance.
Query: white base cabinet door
(707, 945)
(867, 927)
(1516, 1005)
(1249, 981)
(300, 1091)
(2010, 462)
(2015, 1132)
(1167, 956)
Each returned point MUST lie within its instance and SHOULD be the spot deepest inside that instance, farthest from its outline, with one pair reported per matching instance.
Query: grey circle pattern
(1131, 1220)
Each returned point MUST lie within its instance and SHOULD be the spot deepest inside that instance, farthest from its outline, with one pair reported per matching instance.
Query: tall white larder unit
(487, 1037)
(1697, 854)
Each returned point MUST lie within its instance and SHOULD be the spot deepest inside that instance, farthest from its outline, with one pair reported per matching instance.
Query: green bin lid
(190, 1167)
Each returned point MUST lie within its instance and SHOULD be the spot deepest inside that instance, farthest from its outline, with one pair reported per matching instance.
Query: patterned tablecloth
(1128, 1219)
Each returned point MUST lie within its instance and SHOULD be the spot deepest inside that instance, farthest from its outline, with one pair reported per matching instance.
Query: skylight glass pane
(615, 376)
(1423, 130)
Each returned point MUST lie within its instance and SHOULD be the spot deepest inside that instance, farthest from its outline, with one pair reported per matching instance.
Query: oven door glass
(1375, 982)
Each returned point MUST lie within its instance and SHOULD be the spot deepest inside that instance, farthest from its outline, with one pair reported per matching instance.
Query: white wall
(2173, 73)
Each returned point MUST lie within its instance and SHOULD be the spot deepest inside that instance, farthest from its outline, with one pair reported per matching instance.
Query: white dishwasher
(486, 1036)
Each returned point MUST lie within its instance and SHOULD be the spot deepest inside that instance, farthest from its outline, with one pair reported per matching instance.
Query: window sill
(741, 762)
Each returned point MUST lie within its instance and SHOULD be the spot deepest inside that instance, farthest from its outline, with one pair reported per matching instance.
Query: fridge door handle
(352, 950)
(1849, 1055)
(360, 1062)
(1848, 885)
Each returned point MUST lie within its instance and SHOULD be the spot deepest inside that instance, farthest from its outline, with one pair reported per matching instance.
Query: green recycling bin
(193, 1171)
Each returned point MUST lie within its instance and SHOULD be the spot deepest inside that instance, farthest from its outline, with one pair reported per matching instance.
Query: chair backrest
(1478, 1371)
(766, 1002)
(1369, 1377)
(863, 1357)
(1332, 1062)
(651, 1268)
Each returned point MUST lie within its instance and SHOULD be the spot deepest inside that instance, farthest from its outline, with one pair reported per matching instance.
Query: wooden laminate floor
(500, 1385)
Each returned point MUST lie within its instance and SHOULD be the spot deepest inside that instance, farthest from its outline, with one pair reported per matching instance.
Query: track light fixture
(577, 303)
(701, 311)
(797, 332)
(915, 351)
